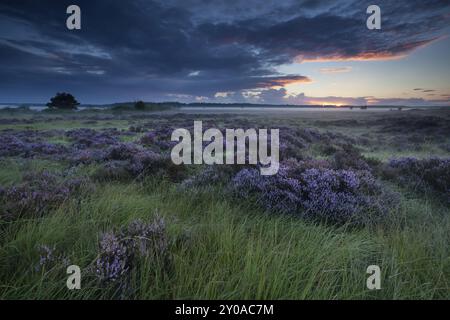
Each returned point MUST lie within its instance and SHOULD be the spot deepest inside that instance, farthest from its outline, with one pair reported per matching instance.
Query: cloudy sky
(259, 51)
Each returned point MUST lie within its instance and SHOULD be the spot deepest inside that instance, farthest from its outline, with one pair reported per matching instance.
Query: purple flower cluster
(126, 161)
(49, 258)
(89, 138)
(87, 156)
(350, 159)
(122, 151)
(120, 161)
(19, 145)
(211, 175)
(113, 262)
(339, 196)
(87, 144)
(119, 251)
(160, 138)
(422, 174)
(344, 196)
(37, 193)
(278, 193)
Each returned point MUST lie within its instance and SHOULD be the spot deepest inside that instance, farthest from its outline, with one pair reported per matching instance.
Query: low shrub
(49, 258)
(120, 252)
(38, 193)
(432, 174)
(349, 158)
(338, 196)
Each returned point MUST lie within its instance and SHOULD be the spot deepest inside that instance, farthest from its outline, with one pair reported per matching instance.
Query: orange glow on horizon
(326, 103)
(362, 57)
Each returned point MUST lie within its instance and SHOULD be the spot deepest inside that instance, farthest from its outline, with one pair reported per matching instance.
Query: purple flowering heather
(137, 163)
(122, 151)
(340, 196)
(422, 174)
(113, 264)
(12, 146)
(119, 251)
(87, 156)
(49, 258)
(275, 193)
(149, 138)
(28, 147)
(37, 194)
(159, 138)
(88, 138)
(112, 170)
(145, 162)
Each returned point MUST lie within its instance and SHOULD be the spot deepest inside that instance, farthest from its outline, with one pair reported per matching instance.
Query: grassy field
(218, 247)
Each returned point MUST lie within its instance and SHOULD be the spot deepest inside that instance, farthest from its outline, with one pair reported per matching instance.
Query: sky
(227, 51)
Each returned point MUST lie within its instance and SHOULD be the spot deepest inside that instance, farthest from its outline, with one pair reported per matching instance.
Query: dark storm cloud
(150, 49)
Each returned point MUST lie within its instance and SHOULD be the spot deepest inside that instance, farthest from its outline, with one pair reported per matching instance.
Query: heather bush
(211, 175)
(28, 147)
(49, 258)
(278, 193)
(294, 168)
(12, 146)
(149, 138)
(122, 151)
(87, 156)
(151, 163)
(338, 196)
(349, 158)
(344, 196)
(328, 149)
(160, 138)
(432, 174)
(120, 252)
(137, 163)
(89, 138)
(38, 193)
(114, 170)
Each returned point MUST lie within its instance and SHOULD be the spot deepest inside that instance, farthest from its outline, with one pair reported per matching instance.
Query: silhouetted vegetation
(63, 100)
(139, 105)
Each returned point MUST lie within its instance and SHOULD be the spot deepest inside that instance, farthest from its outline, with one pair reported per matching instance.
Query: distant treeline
(162, 106)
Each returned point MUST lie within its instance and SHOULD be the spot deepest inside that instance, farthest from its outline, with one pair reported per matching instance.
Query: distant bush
(64, 101)
(139, 105)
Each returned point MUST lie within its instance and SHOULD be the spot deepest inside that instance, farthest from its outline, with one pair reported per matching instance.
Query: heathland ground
(97, 189)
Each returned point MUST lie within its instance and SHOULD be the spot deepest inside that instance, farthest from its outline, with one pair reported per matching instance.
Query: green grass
(224, 251)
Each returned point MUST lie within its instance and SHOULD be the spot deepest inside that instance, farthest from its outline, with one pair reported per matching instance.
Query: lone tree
(63, 100)
(139, 105)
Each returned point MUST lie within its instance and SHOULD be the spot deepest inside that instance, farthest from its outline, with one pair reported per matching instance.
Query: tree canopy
(63, 100)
